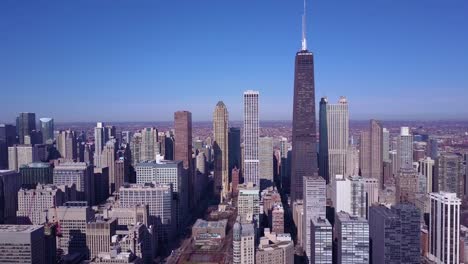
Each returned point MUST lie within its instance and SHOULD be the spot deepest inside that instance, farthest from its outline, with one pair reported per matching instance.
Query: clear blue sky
(141, 60)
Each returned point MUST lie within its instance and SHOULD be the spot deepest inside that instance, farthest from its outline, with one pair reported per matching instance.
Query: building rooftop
(200, 223)
(344, 216)
(36, 165)
(19, 228)
(248, 230)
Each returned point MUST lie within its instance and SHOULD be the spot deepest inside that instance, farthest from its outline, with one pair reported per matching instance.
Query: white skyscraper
(338, 136)
(444, 228)
(405, 149)
(251, 134)
(426, 168)
(386, 145)
(99, 141)
(248, 204)
(314, 191)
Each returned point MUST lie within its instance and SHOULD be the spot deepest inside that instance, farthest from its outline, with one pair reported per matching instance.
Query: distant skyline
(142, 61)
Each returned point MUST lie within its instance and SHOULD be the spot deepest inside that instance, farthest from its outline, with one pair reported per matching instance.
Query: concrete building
(298, 217)
(183, 148)
(221, 150)
(405, 149)
(426, 168)
(235, 181)
(352, 234)
(150, 146)
(170, 173)
(67, 145)
(251, 137)
(386, 145)
(265, 150)
(162, 209)
(407, 185)
(338, 137)
(129, 215)
(448, 175)
(80, 174)
(19, 155)
(121, 173)
(72, 218)
(371, 160)
(247, 244)
(108, 157)
(275, 249)
(22, 244)
(99, 233)
(349, 195)
(135, 148)
(444, 228)
(99, 142)
(315, 199)
(209, 233)
(277, 219)
(33, 204)
(321, 240)
(248, 203)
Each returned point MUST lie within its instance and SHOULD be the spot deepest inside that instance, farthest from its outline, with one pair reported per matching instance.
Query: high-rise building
(121, 173)
(265, 146)
(247, 245)
(162, 210)
(170, 173)
(33, 204)
(25, 124)
(236, 242)
(432, 148)
(323, 140)
(275, 248)
(371, 162)
(385, 145)
(426, 168)
(395, 234)
(448, 174)
(108, 157)
(135, 148)
(315, 199)
(99, 234)
(80, 174)
(183, 147)
(304, 134)
(221, 150)
(99, 142)
(234, 152)
(444, 228)
(9, 187)
(251, 135)
(67, 145)
(352, 234)
(72, 217)
(321, 241)
(149, 144)
(7, 139)
(19, 155)
(101, 184)
(407, 185)
(277, 218)
(248, 203)
(37, 172)
(405, 149)
(349, 195)
(22, 244)
(47, 129)
(235, 181)
(126, 137)
(338, 134)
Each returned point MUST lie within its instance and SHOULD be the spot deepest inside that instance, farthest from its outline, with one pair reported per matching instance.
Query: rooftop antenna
(304, 40)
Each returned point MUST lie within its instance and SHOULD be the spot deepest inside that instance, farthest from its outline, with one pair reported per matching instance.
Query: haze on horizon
(141, 61)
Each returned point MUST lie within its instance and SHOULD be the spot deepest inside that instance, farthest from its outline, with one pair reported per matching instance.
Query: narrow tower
(220, 145)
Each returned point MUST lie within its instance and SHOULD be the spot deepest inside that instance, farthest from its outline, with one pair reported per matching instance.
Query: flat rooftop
(19, 228)
(210, 224)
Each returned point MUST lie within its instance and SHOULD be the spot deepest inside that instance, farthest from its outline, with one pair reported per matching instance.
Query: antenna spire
(304, 39)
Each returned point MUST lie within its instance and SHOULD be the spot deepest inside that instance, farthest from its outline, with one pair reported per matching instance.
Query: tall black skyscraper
(7, 139)
(234, 141)
(25, 123)
(304, 134)
(323, 140)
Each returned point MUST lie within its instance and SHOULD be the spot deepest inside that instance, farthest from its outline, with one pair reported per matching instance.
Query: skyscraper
(444, 228)
(315, 199)
(7, 139)
(371, 162)
(183, 146)
(323, 140)
(405, 149)
(386, 145)
(448, 175)
(149, 144)
(80, 174)
(251, 134)
(25, 124)
(321, 241)
(22, 244)
(426, 168)
(337, 135)
(304, 134)
(352, 234)
(47, 128)
(234, 142)
(221, 150)
(66, 145)
(265, 146)
(99, 141)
